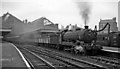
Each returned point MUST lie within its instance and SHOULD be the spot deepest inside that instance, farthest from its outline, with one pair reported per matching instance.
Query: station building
(39, 30)
(4, 27)
(47, 31)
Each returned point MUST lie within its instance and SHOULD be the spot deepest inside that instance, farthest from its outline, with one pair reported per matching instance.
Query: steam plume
(85, 9)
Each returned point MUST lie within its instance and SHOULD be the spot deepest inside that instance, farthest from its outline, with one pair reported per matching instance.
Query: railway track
(86, 62)
(111, 62)
(34, 60)
(40, 61)
(72, 63)
(67, 60)
(101, 61)
(114, 62)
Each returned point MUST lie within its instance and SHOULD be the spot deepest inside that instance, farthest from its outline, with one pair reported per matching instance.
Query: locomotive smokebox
(86, 27)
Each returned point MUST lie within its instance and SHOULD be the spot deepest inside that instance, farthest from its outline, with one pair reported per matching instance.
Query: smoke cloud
(85, 9)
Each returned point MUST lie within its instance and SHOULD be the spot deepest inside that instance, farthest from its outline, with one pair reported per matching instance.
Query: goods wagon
(115, 39)
(111, 40)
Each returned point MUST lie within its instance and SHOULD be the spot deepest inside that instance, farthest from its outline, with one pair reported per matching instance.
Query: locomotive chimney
(86, 27)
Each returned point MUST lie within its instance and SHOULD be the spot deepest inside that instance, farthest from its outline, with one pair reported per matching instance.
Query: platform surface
(10, 56)
(111, 49)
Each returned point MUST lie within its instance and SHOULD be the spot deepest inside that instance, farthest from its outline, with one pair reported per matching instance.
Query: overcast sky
(63, 12)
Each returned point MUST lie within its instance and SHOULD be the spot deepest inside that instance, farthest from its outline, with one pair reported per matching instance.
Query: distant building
(62, 27)
(113, 25)
(72, 27)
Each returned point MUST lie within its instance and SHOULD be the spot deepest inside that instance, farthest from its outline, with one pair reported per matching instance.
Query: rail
(69, 60)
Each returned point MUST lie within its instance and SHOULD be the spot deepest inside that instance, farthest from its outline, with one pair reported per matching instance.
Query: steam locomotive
(83, 40)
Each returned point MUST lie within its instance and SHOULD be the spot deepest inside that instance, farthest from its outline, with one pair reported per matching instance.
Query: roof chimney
(114, 18)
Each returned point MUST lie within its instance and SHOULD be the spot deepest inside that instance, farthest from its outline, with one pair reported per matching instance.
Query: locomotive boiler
(86, 35)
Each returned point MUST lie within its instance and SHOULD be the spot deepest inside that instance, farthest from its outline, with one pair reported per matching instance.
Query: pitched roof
(44, 23)
(19, 27)
(8, 20)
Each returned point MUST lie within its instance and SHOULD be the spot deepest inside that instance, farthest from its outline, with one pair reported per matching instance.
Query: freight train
(78, 41)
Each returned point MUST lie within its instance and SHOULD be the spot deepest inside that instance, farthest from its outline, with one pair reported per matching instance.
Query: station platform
(12, 57)
(111, 49)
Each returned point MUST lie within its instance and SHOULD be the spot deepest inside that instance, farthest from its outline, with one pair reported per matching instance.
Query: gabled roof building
(19, 27)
